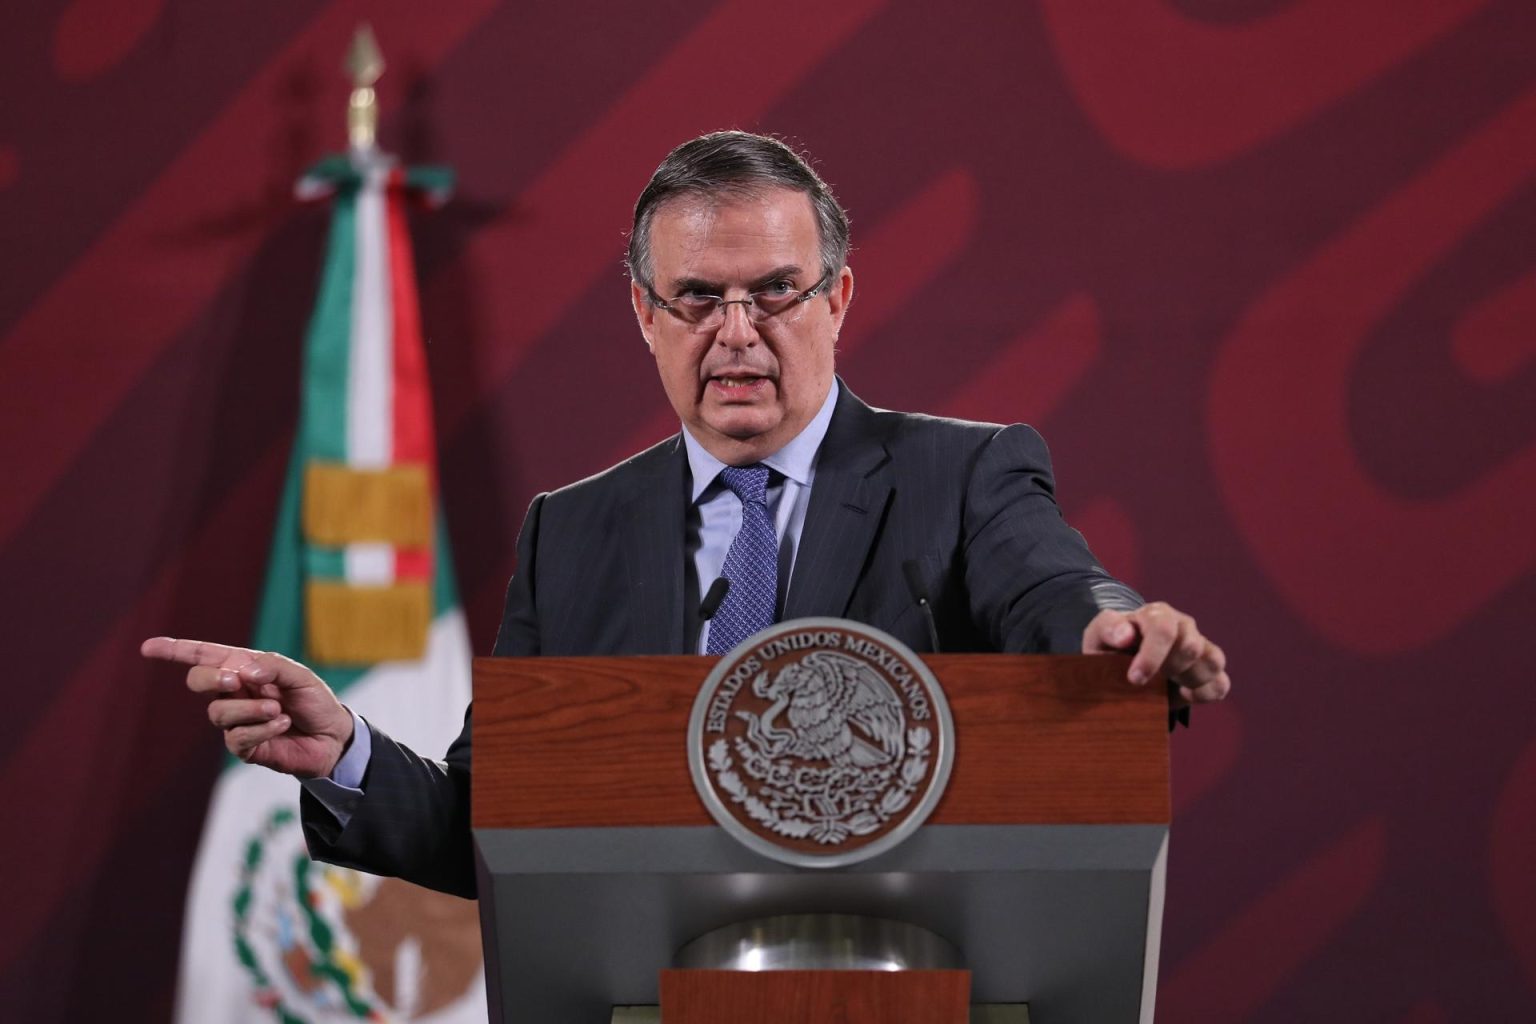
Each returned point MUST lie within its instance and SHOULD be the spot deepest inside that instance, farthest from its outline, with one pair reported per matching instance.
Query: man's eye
(697, 299)
(778, 289)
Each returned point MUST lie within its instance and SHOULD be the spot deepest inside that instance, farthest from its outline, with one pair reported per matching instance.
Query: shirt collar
(793, 462)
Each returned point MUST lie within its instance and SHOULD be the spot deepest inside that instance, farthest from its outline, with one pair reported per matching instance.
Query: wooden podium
(1043, 863)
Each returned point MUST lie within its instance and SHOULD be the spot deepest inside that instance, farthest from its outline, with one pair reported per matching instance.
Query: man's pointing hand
(274, 712)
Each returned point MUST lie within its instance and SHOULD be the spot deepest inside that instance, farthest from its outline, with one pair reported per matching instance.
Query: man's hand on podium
(274, 712)
(1162, 637)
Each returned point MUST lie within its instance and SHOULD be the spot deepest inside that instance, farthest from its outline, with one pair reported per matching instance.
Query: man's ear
(839, 294)
(645, 314)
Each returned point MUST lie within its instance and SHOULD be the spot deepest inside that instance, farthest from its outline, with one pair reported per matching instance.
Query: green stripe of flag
(328, 345)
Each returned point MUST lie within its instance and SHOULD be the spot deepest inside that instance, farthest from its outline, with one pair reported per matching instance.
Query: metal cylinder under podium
(825, 942)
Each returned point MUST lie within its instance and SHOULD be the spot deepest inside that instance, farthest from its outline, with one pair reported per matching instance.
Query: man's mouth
(737, 385)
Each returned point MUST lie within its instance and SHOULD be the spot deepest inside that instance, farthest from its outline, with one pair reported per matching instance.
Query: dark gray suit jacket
(602, 569)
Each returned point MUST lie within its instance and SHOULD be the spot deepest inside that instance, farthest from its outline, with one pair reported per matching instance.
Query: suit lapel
(651, 537)
(848, 500)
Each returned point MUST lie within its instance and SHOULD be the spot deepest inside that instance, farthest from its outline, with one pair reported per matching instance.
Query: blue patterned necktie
(752, 564)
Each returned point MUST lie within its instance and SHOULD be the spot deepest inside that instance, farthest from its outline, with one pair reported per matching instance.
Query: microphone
(713, 599)
(919, 594)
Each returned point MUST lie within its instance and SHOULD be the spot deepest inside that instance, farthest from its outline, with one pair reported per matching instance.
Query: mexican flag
(359, 587)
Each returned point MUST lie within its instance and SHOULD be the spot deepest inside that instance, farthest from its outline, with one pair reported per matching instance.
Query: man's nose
(736, 328)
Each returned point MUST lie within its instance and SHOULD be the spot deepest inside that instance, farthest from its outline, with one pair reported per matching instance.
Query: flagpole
(365, 63)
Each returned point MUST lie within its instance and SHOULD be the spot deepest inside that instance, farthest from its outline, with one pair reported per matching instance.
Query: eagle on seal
(839, 710)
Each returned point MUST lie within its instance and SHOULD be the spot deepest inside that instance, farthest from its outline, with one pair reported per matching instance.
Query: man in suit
(740, 283)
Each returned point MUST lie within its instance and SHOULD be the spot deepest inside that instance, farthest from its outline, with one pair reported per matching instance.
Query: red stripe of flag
(412, 397)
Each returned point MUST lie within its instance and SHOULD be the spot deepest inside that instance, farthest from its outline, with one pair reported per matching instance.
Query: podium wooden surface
(601, 742)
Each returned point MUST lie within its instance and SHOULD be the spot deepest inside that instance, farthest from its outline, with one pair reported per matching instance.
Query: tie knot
(749, 483)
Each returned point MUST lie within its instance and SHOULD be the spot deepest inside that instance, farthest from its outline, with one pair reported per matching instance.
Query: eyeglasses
(779, 302)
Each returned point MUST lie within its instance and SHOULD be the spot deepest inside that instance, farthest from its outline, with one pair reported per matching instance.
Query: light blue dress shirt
(714, 516)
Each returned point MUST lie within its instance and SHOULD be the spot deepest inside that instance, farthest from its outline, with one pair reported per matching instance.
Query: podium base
(815, 997)
(982, 1013)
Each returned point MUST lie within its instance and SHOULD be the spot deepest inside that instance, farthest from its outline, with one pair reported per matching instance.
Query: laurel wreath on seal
(829, 829)
(327, 966)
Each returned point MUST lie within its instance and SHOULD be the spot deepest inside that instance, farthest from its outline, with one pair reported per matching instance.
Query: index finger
(186, 652)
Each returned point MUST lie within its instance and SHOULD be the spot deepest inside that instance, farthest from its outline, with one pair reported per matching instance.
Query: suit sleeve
(413, 821)
(1033, 583)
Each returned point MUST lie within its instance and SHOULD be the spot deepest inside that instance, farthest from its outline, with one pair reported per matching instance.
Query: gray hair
(738, 164)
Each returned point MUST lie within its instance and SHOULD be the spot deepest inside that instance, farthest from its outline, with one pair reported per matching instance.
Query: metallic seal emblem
(820, 742)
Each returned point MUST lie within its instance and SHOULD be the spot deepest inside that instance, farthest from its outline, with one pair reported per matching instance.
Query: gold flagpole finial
(366, 65)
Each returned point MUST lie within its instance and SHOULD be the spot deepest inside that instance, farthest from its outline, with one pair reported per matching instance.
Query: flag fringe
(349, 506)
(347, 625)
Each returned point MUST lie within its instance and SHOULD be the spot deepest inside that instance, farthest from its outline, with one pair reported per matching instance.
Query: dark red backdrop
(1262, 272)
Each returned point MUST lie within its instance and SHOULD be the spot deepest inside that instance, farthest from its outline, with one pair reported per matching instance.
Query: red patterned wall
(1262, 271)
